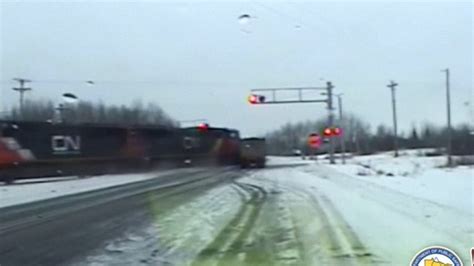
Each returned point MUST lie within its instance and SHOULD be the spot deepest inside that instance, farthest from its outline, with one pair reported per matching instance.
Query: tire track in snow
(339, 244)
(275, 234)
(182, 222)
(230, 247)
(285, 238)
(332, 241)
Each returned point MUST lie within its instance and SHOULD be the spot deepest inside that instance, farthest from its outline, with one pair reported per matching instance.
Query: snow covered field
(421, 177)
(381, 213)
(398, 206)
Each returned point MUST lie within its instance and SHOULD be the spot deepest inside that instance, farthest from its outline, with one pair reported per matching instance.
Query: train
(252, 152)
(43, 149)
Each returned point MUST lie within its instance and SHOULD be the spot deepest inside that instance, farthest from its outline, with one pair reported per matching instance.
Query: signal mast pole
(342, 140)
(330, 121)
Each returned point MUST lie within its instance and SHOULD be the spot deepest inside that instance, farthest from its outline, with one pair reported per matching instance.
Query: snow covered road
(57, 230)
(304, 213)
(376, 210)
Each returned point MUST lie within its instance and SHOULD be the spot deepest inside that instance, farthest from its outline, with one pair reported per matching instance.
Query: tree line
(359, 138)
(137, 113)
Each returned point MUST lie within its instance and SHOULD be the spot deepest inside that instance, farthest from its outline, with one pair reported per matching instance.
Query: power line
(324, 25)
(132, 82)
(299, 22)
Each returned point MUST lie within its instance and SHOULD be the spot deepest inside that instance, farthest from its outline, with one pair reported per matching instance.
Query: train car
(211, 145)
(41, 149)
(160, 145)
(230, 152)
(252, 152)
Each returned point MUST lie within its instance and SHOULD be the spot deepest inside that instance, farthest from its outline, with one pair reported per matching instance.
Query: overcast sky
(197, 61)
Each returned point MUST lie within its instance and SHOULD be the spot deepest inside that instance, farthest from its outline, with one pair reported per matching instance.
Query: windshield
(236, 132)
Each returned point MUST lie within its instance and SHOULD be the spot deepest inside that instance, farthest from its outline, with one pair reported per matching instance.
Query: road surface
(286, 214)
(58, 230)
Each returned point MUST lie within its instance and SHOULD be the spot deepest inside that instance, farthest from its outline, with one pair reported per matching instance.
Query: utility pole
(341, 137)
(21, 90)
(392, 86)
(330, 120)
(450, 131)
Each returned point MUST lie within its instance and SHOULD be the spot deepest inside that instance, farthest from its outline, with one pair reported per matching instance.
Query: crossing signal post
(332, 132)
(330, 109)
(271, 96)
(314, 142)
(341, 121)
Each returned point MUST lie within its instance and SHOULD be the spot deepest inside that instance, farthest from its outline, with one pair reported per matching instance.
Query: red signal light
(253, 99)
(203, 127)
(314, 140)
(337, 131)
(327, 132)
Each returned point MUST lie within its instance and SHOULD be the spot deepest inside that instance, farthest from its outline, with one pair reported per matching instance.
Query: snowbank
(39, 189)
(287, 160)
(423, 177)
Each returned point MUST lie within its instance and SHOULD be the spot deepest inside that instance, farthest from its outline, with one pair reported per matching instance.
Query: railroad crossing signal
(257, 96)
(256, 99)
(314, 140)
(327, 132)
(332, 132)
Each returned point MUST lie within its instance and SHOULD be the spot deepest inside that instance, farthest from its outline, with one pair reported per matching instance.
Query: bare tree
(86, 112)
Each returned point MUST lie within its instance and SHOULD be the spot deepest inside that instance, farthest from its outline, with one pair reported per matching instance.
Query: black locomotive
(42, 149)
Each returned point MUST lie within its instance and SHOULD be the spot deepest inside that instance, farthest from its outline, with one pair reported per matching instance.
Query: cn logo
(190, 143)
(66, 144)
